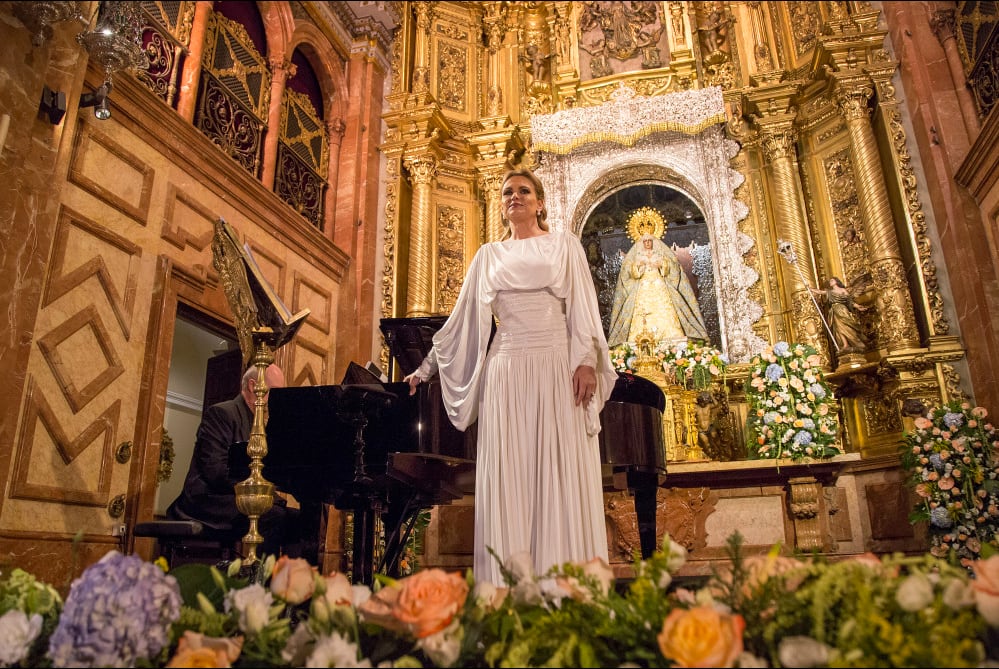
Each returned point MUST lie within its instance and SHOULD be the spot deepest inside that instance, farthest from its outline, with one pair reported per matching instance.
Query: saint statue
(843, 316)
(653, 292)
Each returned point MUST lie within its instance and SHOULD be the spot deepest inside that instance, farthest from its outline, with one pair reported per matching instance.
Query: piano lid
(410, 339)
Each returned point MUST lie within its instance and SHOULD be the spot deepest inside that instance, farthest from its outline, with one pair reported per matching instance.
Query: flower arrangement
(624, 356)
(762, 611)
(693, 366)
(952, 458)
(791, 413)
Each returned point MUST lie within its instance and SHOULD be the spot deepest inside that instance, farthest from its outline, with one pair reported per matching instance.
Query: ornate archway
(677, 140)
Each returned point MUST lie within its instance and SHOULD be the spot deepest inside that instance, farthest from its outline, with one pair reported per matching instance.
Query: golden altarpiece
(745, 124)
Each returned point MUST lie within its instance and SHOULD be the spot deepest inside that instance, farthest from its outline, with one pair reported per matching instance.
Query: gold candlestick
(255, 495)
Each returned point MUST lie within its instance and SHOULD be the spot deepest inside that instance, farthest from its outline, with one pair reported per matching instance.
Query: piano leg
(645, 486)
(398, 520)
(364, 546)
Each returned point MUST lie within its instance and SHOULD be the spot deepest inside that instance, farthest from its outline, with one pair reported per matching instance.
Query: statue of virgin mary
(653, 292)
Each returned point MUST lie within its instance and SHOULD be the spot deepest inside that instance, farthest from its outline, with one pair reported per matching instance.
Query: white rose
(915, 593)
(17, 633)
(252, 603)
(802, 651)
(443, 647)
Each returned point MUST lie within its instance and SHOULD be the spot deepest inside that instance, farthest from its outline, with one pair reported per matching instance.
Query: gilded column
(281, 69)
(334, 131)
(420, 277)
(777, 138)
(490, 184)
(421, 49)
(897, 324)
(942, 23)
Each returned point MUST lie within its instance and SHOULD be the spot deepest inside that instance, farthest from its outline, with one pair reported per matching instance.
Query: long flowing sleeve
(587, 343)
(459, 349)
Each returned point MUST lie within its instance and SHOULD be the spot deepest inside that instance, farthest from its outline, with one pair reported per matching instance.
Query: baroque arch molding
(584, 154)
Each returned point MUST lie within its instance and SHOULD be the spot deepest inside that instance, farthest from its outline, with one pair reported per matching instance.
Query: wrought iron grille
(231, 57)
(225, 120)
(166, 35)
(299, 185)
(978, 42)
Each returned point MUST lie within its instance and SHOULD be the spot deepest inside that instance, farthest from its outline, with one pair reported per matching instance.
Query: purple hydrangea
(782, 349)
(817, 390)
(936, 461)
(940, 518)
(953, 420)
(803, 438)
(118, 612)
(774, 372)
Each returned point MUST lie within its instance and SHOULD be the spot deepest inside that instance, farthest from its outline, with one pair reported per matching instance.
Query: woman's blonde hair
(539, 191)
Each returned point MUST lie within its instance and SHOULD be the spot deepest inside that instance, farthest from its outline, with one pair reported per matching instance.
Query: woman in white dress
(537, 391)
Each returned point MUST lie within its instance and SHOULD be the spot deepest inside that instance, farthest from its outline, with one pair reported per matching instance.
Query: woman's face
(519, 202)
(648, 244)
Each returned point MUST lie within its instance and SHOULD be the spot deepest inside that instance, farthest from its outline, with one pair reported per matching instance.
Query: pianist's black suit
(208, 495)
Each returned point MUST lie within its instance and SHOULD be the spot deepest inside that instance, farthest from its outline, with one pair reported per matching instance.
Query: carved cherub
(538, 65)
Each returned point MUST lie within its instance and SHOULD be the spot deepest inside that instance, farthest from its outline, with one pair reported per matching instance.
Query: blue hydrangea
(769, 417)
(803, 438)
(808, 423)
(117, 613)
(953, 420)
(817, 390)
(774, 372)
(782, 349)
(936, 461)
(940, 518)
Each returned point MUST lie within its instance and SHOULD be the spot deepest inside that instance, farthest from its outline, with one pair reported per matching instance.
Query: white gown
(538, 482)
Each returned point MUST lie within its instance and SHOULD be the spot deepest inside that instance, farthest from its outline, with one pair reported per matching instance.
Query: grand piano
(371, 448)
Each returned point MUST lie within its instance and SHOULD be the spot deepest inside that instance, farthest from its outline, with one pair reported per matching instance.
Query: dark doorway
(205, 366)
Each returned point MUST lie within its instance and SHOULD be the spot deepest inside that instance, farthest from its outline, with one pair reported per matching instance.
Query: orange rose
(293, 579)
(198, 650)
(423, 604)
(701, 637)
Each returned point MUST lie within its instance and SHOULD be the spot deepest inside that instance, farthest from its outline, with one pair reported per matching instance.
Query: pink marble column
(942, 23)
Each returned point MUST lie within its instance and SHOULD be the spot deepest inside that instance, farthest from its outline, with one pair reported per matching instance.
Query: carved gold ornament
(645, 221)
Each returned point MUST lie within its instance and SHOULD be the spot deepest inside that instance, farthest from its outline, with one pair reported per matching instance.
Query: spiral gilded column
(896, 319)
(778, 142)
(419, 284)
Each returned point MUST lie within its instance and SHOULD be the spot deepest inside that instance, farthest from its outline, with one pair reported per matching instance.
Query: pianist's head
(273, 376)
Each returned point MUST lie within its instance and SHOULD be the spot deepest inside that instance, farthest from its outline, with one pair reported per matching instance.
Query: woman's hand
(413, 380)
(584, 384)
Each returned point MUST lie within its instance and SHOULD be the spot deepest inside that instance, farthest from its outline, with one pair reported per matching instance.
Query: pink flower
(986, 588)
(293, 579)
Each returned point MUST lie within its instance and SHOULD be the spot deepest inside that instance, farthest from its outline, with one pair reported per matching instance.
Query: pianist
(209, 495)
